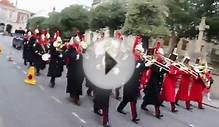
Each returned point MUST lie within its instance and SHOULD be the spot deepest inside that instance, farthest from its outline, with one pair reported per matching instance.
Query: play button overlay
(108, 64)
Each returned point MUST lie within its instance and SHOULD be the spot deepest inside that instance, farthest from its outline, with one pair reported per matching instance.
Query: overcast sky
(37, 6)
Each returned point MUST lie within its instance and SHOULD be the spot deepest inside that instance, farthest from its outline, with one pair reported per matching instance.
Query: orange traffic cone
(30, 78)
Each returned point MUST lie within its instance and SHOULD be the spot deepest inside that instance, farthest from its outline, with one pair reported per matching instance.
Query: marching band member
(152, 91)
(75, 75)
(198, 85)
(136, 42)
(56, 61)
(169, 85)
(210, 80)
(27, 53)
(183, 92)
(131, 88)
(40, 48)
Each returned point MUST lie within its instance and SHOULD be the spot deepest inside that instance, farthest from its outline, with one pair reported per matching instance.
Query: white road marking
(56, 99)
(76, 115)
(41, 87)
(24, 72)
(14, 63)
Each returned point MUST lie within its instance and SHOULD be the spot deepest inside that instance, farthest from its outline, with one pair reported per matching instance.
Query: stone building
(11, 17)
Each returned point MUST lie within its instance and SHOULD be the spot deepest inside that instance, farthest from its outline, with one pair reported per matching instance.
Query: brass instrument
(58, 44)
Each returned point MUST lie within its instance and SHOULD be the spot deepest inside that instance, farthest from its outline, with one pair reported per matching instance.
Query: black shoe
(176, 104)
(189, 109)
(98, 113)
(136, 120)
(118, 98)
(122, 112)
(201, 108)
(144, 108)
(25, 63)
(174, 111)
(162, 105)
(159, 116)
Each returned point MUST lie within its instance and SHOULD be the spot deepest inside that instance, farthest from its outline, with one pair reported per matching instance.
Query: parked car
(18, 39)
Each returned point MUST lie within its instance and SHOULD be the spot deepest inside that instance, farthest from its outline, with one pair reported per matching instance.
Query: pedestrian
(75, 74)
(56, 63)
(40, 48)
(131, 88)
(168, 92)
(101, 103)
(152, 91)
(27, 54)
(184, 85)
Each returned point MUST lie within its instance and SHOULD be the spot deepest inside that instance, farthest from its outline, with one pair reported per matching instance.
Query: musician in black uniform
(152, 91)
(75, 73)
(27, 53)
(56, 63)
(40, 48)
(131, 88)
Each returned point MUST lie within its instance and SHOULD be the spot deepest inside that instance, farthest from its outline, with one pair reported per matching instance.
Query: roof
(6, 3)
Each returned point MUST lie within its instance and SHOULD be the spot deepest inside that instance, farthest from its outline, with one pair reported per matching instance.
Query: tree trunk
(174, 43)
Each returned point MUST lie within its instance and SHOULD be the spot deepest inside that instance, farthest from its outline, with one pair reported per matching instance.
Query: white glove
(77, 57)
(60, 55)
(148, 64)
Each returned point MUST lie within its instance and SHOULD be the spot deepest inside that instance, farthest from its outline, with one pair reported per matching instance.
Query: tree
(53, 22)
(35, 22)
(110, 14)
(185, 15)
(74, 18)
(147, 18)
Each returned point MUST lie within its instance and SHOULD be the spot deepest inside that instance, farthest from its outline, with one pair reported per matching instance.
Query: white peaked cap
(29, 33)
(37, 31)
(161, 51)
(47, 35)
(77, 39)
(139, 47)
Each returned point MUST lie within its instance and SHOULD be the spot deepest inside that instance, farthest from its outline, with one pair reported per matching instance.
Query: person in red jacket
(183, 92)
(169, 86)
(196, 92)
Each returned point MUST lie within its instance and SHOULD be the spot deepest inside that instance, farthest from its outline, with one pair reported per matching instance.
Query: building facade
(12, 18)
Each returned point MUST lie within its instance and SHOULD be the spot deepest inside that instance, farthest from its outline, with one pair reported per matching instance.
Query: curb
(210, 105)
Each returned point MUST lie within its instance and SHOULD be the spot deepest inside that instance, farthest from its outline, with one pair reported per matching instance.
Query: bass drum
(46, 57)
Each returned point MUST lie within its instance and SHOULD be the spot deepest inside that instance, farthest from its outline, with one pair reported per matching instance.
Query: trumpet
(149, 58)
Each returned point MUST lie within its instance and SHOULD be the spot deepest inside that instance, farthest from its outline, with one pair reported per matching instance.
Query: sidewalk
(213, 103)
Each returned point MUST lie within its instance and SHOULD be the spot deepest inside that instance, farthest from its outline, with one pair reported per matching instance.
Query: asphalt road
(22, 105)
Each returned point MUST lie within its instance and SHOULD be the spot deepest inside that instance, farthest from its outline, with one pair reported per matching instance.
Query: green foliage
(74, 18)
(146, 18)
(36, 22)
(53, 22)
(185, 15)
(110, 14)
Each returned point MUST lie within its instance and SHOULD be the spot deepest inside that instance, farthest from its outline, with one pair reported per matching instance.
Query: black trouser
(133, 103)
